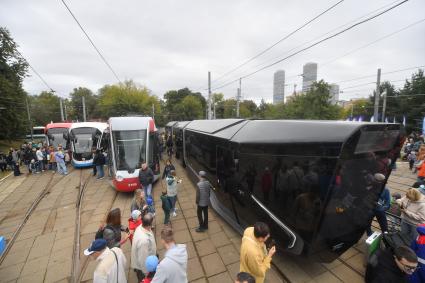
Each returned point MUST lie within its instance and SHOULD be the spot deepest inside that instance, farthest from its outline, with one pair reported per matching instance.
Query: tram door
(227, 180)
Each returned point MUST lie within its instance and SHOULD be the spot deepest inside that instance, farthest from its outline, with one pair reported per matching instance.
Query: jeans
(101, 173)
(166, 216)
(62, 168)
(409, 230)
(203, 221)
(40, 165)
(172, 201)
(148, 190)
(382, 220)
(94, 170)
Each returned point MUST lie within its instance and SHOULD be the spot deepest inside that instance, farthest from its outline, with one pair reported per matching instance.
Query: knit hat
(202, 173)
(149, 200)
(151, 263)
(135, 214)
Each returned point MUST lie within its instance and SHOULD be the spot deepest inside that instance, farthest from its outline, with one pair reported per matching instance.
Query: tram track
(79, 265)
(50, 184)
(75, 271)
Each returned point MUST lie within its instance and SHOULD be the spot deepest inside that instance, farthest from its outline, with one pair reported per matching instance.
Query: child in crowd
(166, 207)
(412, 159)
(150, 204)
(133, 222)
(151, 264)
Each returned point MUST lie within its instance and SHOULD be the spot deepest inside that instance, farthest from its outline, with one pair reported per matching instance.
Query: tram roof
(129, 123)
(170, 124)
(181, 124)
(58, 125)
(98, 125)
(278, 131)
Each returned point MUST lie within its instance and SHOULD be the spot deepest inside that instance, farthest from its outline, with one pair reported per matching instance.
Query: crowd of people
(172, 268)
(37, 158)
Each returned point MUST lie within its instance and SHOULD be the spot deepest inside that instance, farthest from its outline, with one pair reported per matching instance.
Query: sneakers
(174, 214)
(100, 178)
(200, 230)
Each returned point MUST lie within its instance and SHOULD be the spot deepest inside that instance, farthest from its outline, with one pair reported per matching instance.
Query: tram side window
(293, 187)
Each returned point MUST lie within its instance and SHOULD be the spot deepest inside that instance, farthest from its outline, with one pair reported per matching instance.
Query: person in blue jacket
(384, 203)
(418, 246)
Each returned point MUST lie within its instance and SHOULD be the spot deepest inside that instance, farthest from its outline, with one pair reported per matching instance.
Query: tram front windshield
(130, 148)
(55, 137)
(84, 139)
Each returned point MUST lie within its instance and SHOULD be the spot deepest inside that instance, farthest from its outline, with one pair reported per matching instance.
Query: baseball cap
(135, 214)
(96, 246)
(151, 263)
(202, 173)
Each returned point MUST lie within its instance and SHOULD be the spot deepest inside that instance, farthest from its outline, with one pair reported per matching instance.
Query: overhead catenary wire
(279, 41)
(322, 35)
(35, 72)
(314, 44)
(92, 43)
(371, 43)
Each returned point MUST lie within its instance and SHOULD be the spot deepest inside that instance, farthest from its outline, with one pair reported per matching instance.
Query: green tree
(127, 98)
(359, 107)
(190, 108)
(45, 108)
(76, 103)
(313, 105)
(13, 69)
(173, 104)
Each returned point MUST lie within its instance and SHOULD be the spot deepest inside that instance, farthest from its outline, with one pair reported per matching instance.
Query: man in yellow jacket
(255, 259)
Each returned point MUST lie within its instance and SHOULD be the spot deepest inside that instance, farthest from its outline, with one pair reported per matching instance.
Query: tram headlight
(119, 178)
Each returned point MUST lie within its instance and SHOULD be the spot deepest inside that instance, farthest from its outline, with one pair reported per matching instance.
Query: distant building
(279, 87)
(309, 76)
(334, 92)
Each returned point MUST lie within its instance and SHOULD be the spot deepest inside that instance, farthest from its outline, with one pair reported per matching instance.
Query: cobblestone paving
(43, 250)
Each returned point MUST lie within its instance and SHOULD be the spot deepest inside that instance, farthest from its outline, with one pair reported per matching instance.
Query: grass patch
(5, 145)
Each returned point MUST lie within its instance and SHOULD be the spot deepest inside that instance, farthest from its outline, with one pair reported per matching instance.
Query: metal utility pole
(238, 98)
(153, 111)
(209, 97)
(66, 115)
(377, 93)
(29, 117)
(384, 106)
(214, 110)
(61, 106)
(84, 108)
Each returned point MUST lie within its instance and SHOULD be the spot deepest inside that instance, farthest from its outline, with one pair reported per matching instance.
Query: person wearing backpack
(172, 184)
(111, 232)
(112, 264)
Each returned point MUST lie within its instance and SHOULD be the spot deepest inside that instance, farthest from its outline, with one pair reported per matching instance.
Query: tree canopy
(13, 69)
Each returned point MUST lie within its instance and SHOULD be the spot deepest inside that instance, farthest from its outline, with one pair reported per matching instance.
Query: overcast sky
(168, 45)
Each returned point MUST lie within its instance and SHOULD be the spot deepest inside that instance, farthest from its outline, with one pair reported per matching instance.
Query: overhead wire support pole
(209, 97)
(29, 118)
(84, 108)
(377, 94)
(92, 43)
(61, 106)
(238, 98)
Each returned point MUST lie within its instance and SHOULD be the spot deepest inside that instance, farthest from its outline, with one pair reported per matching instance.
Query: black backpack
(99, 233)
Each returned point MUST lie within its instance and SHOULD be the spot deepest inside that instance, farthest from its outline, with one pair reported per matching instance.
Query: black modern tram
(311, 181)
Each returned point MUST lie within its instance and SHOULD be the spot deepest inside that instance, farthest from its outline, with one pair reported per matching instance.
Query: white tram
(133, 141)
(85, 137)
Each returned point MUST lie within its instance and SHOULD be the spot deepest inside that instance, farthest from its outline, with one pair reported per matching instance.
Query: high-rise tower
(309, 75)
(279, 87)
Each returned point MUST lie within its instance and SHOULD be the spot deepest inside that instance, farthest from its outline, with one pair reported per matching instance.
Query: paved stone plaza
(43, 250)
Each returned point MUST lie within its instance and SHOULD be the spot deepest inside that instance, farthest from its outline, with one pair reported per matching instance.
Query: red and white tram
(132, 141)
